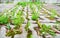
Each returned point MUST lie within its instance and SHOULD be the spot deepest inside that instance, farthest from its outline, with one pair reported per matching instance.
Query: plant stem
(29, 35)
(12, 36)
(27, 14)
(43, 36)
(33, 0)
(39, 24)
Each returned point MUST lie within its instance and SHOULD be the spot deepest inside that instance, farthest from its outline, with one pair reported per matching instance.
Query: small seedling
(35, 16)
(45, 30)
(29, 35)
(3, 19)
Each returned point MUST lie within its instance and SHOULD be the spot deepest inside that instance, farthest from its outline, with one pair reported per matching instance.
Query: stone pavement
(49, 6)
(3, 30)
(57, 8)
(5, 7)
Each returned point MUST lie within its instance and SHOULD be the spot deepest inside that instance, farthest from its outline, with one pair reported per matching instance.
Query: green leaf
(35, 16)
(27, 26)
(8, 26)
(29, 35)
(3, 19)
(47, 29)
(23, 4)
